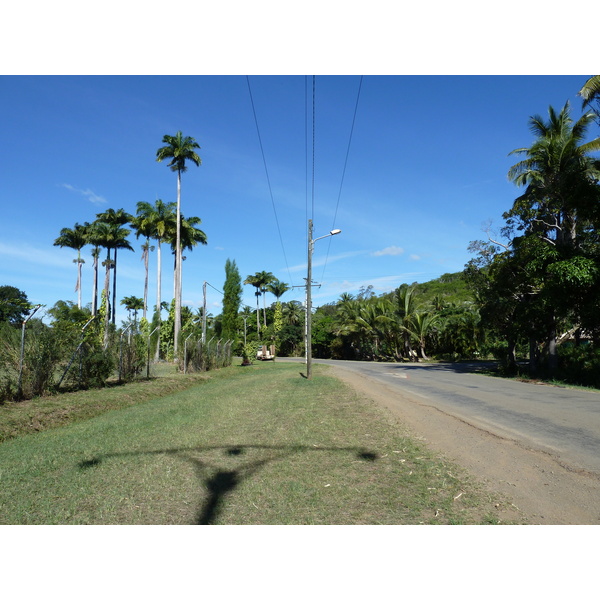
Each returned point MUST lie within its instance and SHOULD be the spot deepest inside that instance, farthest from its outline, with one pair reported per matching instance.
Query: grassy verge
(48, 412)
(256, 445)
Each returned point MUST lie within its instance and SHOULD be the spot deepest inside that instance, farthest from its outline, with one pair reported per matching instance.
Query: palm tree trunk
(108, 306)
(114, 312)
(265, 307)
(79, 279)
(158, 298)
(177, 326)
(146, 259)
(257, 312)
(95, 254)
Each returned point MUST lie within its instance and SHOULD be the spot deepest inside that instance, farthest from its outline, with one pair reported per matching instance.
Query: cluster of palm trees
(154, 222)
(265, 281)
(162, 222)
(386, 327)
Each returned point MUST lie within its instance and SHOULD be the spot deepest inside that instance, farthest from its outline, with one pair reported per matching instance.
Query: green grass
(250, 445)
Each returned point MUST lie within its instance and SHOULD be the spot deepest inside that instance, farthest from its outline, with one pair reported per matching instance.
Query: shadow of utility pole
(223, 482)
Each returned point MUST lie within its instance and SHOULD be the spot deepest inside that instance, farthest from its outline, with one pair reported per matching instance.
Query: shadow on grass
(221, 482)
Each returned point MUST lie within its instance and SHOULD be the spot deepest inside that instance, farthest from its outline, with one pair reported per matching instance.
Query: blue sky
(426, 168)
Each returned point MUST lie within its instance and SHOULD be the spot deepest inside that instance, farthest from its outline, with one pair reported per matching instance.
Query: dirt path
(543, 490)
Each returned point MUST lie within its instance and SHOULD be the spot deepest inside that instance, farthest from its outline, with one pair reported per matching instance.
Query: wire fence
(39, 360)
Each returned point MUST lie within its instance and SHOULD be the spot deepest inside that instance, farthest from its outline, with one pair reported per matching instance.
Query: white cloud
(87, 194)
(415, 257)
(389, 251)
(25, 253)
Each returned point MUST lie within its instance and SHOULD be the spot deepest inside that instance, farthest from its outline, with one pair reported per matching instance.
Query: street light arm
(333, 232)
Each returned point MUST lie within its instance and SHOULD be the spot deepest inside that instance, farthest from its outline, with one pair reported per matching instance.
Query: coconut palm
(405, 307)
(115, 219)
(559, 175)
(179, 150)
(76, 239)
(590, 93)
(421, 327)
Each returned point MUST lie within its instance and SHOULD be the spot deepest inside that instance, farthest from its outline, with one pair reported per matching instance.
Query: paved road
(560, 421)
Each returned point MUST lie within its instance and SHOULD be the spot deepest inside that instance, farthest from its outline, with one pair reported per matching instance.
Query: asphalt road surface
(559, 421)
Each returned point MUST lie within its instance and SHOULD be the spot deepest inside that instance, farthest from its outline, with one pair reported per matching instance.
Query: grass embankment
(48, 412)
(255, 445)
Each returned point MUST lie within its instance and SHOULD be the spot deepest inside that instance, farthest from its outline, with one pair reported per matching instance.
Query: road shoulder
(543, 490)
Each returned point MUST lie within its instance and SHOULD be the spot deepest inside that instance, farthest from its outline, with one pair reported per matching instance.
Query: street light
(311, 247)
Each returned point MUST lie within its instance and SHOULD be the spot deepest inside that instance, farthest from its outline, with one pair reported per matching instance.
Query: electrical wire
(268, 179)
(343, 171)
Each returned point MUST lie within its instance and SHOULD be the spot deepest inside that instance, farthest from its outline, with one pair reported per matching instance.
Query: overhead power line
(344, 170)
(268, 179)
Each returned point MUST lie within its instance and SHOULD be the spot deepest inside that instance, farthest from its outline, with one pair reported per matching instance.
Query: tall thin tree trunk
(79, 279)
(158, 298)
(177, 326)
(95, 253)
(114, 312)
(265, 307)
(146, 259)
(257, 312)
(108, 304)
(552, 352)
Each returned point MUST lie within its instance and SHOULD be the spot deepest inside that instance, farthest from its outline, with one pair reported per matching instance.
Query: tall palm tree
(111, 237)
(265, 278)
(179, 150)
(96, 242)
(76, 239)
(115, 219)
(160, 218)
(256, 282)
(133, 304)
(190, 236)
(145, 228)
(277, 288)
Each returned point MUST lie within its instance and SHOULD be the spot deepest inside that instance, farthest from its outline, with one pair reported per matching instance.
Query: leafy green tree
(232, 298)
(559, 206)
(179, 149)
(76, 239)
(14, 305)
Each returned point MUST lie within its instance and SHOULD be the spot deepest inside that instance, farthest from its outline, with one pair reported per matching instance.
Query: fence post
(148, 361)
(20, 385)
(121, 351)
(185, 352)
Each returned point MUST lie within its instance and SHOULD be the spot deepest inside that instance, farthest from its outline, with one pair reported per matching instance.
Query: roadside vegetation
(247, 445)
